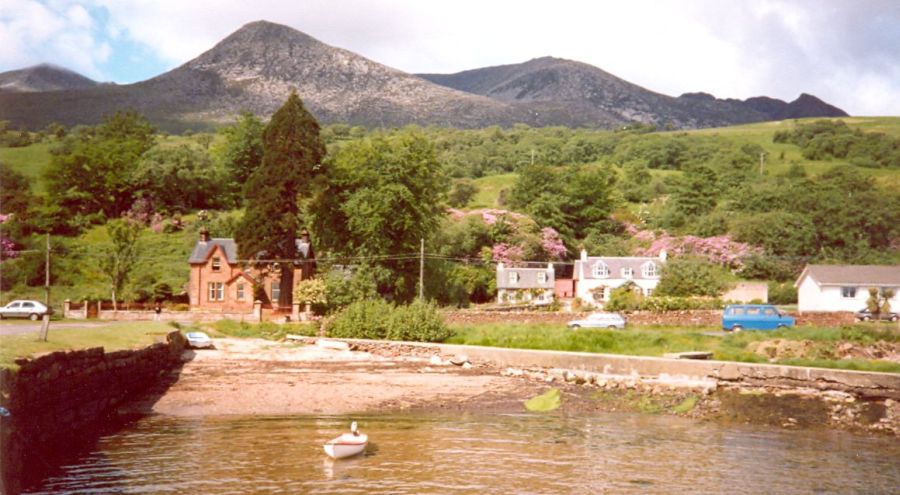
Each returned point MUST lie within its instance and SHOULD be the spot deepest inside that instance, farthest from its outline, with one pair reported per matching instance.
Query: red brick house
(219, 281)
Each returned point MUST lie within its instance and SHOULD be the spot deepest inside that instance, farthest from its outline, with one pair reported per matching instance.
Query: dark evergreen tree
(293, 152)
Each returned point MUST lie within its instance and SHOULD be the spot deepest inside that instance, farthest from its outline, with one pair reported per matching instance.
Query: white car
(599, 320)
(198, 340)
(32, 310)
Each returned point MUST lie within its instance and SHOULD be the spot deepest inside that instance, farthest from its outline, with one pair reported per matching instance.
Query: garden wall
(58, 401)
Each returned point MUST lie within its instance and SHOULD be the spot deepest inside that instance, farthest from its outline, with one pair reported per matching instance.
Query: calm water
(526, 454)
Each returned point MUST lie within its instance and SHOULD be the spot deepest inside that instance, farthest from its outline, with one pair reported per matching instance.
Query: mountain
(255, 68)
(585, 89)
(43, 77)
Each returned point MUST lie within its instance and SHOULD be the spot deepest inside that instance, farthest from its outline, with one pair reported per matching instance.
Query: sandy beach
(251, 376)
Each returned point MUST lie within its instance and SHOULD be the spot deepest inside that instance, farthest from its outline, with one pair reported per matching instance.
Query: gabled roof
(202, 250)
(615, 265)
(853, 275)
(528, 278)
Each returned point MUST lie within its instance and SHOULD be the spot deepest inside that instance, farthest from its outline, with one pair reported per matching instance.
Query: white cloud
(847, 53)
(31, 33)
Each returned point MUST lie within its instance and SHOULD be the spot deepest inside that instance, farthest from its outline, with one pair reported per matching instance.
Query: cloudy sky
(847, 52)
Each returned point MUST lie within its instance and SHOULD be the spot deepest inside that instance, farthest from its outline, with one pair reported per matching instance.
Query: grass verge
(656, 341)
(111, 337)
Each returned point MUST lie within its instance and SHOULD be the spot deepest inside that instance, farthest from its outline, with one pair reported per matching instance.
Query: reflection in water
(530, 454)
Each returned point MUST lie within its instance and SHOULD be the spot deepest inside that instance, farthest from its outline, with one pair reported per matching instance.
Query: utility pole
(422, 271)
(532, 156)
(47, 274)
(45, 320)
(762, 161)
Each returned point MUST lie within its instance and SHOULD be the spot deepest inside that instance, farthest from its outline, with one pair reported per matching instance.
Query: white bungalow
(597, 276)
(844, 287)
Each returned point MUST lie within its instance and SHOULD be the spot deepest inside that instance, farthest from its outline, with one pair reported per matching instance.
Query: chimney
(583, 254)
(663, 255)
(204, 235)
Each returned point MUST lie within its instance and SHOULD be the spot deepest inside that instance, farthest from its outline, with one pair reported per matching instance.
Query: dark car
(866, 315)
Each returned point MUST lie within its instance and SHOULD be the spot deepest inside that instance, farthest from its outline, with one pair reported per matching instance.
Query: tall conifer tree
(292, 154)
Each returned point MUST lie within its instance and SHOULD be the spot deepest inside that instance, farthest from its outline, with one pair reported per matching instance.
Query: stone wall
(677, 318)
(57, 401)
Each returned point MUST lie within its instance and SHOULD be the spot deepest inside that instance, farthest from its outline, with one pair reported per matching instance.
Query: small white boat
(348, 444)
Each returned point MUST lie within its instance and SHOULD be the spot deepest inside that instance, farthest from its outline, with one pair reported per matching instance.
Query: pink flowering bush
(722, 249)
(507, 254)
(552, 244)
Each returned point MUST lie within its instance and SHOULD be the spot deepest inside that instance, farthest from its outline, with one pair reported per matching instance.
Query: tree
(380, 198)
(697, 192)
(293, 153)
(91, 170)
(242, 151)
(15, 191)
(692, 276)
(120, 257)
(462, 192)
(180, 178)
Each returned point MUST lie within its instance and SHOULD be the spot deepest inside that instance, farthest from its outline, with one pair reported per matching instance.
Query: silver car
(32, 310)
(599, 320)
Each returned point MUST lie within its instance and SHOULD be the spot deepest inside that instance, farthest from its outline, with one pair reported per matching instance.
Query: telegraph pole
(762, 161)
(422, 271)
(47, 274)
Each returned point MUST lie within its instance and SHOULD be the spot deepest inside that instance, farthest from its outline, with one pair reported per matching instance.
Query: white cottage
(844, 287)
(597, 276)
(531, 285)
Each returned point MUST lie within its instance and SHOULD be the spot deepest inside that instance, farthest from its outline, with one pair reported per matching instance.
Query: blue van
(739, 317)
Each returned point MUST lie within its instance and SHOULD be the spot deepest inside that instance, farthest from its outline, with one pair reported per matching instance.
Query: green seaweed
(548, 401)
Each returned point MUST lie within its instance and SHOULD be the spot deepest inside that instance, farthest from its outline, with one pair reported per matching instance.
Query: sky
(846, 52)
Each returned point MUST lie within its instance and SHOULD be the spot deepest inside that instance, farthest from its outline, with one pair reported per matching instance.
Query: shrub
(417, 321)
(377, 319)
(672, 303)
(782, 293)
(367, 319)
(624, 298)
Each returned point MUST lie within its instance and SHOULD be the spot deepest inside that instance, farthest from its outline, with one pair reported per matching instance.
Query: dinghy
(348, 444)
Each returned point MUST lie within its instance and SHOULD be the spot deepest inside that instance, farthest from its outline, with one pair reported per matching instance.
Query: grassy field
(30, 161)
(111, 337)
(656, 341)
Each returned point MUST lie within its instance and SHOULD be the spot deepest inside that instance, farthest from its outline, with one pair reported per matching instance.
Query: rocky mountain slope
(43, 77)
(255, 68)
(583, 88)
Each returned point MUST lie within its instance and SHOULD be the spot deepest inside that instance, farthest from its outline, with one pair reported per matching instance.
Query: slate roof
(853, 275)
(615, 265)
(202, 249)
(528, 278)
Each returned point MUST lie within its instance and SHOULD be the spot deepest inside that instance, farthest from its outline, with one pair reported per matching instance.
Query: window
(513, 277)
(848, 292)
(276, 290)
(542, 277)
(627, 272)
(216, 291)
(650, 270)
(649, 292)
(216, 263)
(240, 292)
(601, 270)
(769, 312)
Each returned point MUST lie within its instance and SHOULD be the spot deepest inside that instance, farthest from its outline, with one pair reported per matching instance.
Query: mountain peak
(43, 77)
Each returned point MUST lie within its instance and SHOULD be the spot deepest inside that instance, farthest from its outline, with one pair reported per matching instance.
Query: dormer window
(216, 263)
(601, 270)
(627, 272)
(514, 277)
(650, 270)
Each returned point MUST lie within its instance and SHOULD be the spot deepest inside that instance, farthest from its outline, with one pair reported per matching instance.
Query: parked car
(599, 320)
(737, 317)
(199, 340)
(32, 310)
(866, 315)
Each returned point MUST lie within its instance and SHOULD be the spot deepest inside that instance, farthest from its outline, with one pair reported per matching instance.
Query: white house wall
(812, 298)
(584, 287)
